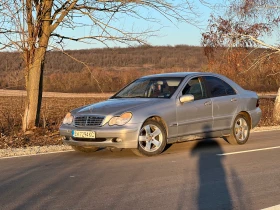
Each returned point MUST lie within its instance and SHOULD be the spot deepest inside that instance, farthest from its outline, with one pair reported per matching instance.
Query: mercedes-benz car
(162, 109)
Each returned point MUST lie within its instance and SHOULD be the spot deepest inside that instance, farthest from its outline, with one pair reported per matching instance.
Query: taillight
(258, 103)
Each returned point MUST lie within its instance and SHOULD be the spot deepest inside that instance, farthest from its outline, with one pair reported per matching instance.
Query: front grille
(88, 121)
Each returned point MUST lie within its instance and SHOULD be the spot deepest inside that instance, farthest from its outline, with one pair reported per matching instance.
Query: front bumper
(105, 136)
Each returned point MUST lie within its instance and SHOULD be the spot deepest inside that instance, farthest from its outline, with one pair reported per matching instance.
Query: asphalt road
(192, 175)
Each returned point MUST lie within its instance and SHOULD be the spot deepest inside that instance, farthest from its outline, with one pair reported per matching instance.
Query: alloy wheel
(150, 138)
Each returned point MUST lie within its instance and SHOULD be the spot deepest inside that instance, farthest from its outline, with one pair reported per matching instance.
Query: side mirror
(186, 98)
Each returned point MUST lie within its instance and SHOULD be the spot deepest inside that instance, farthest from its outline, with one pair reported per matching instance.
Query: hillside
(110, 69)
(118, 65)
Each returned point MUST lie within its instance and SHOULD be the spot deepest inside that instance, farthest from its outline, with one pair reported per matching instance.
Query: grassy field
(52, 113)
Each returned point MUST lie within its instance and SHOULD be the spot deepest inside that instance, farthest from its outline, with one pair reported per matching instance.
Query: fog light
(118, 140)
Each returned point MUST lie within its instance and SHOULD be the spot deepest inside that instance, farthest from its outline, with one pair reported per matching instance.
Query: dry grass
(52, 113)
(267, 106)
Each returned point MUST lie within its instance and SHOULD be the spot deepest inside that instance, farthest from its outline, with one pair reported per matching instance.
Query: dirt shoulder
(56, 94)
(266, 128)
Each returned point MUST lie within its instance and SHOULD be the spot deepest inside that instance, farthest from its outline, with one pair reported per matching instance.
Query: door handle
(207, 103)
(233, 99)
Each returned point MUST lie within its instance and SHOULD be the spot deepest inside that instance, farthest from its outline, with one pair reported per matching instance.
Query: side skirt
(215, 134)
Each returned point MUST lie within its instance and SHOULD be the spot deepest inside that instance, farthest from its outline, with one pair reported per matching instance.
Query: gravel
(37, 150)
(265, 128)
(28, 151)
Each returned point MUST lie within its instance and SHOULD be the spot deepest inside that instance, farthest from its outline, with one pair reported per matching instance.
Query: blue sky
(185, 34)
(167, 33)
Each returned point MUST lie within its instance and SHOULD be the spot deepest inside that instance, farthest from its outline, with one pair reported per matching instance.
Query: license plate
(83, 134)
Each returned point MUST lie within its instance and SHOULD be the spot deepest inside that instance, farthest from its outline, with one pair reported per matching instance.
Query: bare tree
(249, 24)
(34, 26)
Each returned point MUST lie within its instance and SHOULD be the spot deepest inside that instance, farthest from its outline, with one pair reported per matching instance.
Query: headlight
(68, 119)
(121, 120)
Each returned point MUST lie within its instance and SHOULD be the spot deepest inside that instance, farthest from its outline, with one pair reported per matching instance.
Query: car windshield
(150, 88)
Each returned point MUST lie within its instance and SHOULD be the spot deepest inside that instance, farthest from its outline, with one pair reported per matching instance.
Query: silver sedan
(162, 109)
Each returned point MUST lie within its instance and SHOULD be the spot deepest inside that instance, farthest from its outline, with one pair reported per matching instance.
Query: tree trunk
(276, 111)
(35, 65)
(34, 84)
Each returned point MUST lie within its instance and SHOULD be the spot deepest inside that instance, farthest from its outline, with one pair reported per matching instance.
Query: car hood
(112, 106)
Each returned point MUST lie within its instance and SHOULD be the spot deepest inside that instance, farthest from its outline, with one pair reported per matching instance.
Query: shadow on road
(213, 191)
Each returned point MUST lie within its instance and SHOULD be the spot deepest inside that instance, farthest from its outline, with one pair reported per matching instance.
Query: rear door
(225, 102)
(196, 116)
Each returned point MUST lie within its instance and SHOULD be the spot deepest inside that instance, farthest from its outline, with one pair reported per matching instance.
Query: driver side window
(195, 87)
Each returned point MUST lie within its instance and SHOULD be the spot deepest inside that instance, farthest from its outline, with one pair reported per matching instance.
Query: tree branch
(83, 63)
(63, 14)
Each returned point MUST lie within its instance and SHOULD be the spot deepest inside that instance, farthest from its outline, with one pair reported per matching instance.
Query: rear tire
(84, 149)
(240, 131)
(152, 139)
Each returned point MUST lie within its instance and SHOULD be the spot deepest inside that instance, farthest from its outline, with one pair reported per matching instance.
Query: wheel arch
(248, 116)
(232, 139)
(160, 120)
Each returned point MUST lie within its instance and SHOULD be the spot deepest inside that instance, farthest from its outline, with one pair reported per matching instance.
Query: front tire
(240, 130)
(84, 149)
(152, 139)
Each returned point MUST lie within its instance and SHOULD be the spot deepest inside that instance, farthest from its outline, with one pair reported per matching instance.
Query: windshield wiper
(130, 97)
(137, 97)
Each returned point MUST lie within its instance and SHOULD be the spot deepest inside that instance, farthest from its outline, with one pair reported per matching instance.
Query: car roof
(175, 74)
(182, 74)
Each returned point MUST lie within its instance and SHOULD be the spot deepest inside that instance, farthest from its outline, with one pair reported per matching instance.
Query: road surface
(209, 174)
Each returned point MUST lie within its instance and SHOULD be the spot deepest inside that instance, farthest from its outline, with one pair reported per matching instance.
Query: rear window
(218, 87)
